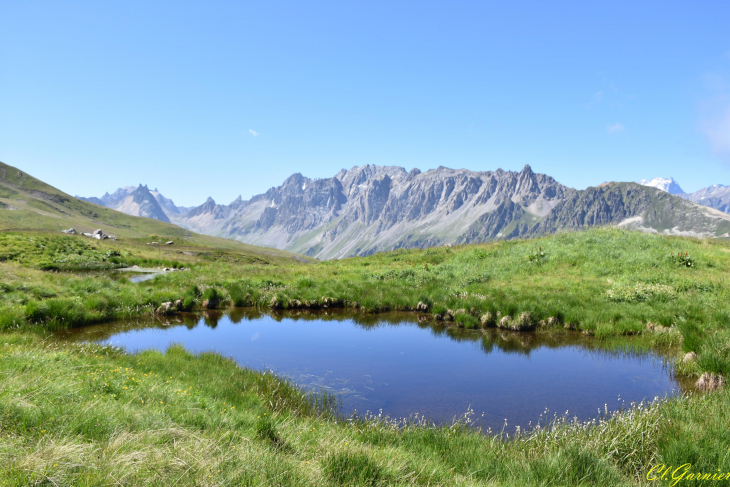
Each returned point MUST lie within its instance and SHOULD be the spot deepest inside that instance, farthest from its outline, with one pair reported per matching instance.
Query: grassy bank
(88, 416)
(606, 282)
(85, 415)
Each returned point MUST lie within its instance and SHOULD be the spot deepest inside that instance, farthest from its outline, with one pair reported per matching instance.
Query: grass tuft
(352, 469)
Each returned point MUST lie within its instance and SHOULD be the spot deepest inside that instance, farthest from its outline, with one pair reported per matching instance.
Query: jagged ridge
(373, 208)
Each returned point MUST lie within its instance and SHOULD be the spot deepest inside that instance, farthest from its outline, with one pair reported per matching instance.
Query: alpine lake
(402, 365)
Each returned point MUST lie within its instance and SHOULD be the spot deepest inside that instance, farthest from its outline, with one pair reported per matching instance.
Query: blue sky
(225, 98)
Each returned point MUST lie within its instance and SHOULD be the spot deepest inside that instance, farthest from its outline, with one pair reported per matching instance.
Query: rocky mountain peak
(141, 193)
(295, 180)
(144, 203)
(210, 208)
(359, 176)
(527, 182)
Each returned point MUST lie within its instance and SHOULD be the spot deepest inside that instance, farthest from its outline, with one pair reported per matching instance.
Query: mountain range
(375, 208)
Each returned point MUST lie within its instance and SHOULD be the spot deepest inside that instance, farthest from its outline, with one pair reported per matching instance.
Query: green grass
(605, 282)
(609, 283)
(89, 415)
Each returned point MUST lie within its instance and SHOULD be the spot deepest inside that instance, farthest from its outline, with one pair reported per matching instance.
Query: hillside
(634, 206)
(716, 196)
(28, 204)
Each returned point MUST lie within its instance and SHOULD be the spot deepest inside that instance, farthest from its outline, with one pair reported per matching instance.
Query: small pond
(394, 363)
(139, 274)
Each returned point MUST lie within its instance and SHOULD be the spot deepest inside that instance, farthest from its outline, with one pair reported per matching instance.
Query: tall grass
(90, 415)
(93, 416)
(606, 282)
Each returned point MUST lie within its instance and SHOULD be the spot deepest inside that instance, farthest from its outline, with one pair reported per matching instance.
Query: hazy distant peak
(96, 201)
(665, 184)
(716, 196)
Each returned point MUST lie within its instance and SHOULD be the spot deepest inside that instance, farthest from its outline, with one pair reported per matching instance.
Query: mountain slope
(167, 205)
(27, 203)
(635, 206)
(717, 196)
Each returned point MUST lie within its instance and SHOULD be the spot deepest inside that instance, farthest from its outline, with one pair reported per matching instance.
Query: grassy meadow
(89, 415)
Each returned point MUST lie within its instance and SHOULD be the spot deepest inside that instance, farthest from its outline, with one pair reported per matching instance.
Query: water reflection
(404, 365)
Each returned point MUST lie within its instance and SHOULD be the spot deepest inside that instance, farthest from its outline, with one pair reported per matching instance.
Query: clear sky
(225, 98)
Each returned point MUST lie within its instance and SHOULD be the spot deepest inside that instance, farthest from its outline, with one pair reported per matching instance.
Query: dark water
(392, 362)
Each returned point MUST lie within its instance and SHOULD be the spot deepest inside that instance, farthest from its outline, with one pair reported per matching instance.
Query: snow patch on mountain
(665, 184)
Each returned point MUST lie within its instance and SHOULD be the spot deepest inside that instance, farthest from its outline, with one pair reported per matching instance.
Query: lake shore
(72, 412)
(608, 284)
